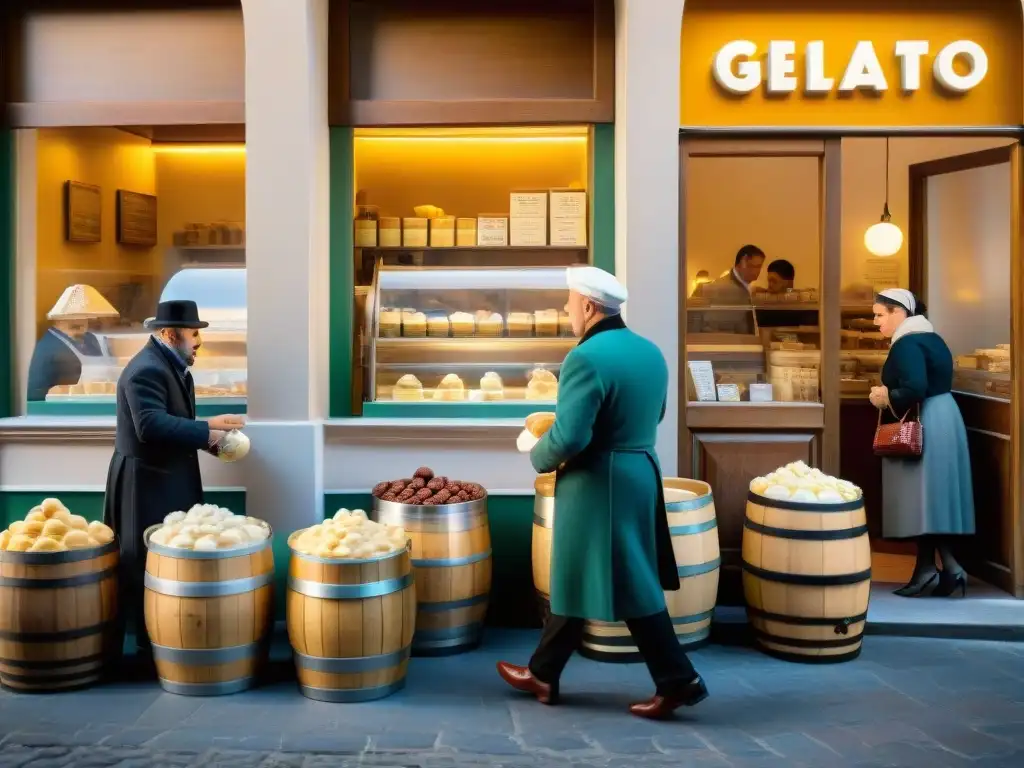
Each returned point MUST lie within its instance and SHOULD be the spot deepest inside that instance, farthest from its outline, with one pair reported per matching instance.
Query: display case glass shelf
(448, 341)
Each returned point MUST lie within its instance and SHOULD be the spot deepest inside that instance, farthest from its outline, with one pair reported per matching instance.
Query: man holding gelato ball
(611, 552)
(155, 467)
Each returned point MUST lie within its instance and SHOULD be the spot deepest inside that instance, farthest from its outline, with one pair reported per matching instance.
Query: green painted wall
(342, 275)
(512, 597)
(602, 204)
(6, 272)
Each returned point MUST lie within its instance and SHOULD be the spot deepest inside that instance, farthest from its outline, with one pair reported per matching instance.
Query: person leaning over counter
(155, 467)
(58, 355)
(611, 554)
(731, 290)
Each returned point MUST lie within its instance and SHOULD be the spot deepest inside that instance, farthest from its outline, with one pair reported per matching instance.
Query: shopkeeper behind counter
(57, 358)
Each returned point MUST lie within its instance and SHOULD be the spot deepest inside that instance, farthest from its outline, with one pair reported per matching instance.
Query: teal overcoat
(611, 556)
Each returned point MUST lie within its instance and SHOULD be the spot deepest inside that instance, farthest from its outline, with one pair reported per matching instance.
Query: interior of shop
(951, 199)
(123, 219)
(460, 235)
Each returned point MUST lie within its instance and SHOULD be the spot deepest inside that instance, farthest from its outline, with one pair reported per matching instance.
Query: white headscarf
(914, 323)
(902, 297)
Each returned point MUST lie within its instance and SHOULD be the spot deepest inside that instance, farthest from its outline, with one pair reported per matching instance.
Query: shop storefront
(797, 128)
(345, 133)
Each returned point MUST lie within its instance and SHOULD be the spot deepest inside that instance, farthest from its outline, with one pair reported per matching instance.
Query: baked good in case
(542, 386)
(564, 324)
(450, 388)
(414, 324)
(491, 387)
(390, 323)
(545, 322)
(407, 389)
(463, 324)
(520, 324)
(490, 325)
(437, 327)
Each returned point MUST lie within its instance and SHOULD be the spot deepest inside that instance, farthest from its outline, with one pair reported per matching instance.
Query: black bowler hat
(176, 314)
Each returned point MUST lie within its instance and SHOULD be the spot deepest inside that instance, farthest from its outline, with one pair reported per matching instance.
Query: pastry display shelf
(428, 409)
(473, 350)
(795, 306)
(104, 405)
(442, 248)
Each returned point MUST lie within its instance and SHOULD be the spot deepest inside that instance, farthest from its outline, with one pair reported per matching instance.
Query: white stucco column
(647, 34)
(287, 232)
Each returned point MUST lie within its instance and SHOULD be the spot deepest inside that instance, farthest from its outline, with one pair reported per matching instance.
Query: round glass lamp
(883, 238)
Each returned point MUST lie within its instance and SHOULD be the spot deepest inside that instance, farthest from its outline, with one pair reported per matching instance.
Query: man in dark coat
(155, 467)
(611, 552)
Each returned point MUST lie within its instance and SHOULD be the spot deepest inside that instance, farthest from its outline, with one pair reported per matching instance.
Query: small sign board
(82, 212)
(136, 218)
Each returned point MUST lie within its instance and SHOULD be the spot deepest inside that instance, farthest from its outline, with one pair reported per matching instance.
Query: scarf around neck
(913, 324)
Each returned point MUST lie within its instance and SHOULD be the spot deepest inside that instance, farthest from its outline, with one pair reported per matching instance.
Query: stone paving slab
(905, 702)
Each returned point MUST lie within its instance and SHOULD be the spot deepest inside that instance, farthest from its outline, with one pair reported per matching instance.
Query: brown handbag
(900, 439)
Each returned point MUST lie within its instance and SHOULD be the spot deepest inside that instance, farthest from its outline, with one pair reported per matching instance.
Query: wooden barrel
(451, 559)
(350, 624)
(209, 615)
(694, 530)
(806, 578)
(693, 526)
(58, 618)
(540, 545)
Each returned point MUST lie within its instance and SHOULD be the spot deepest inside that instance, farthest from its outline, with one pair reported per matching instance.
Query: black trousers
(655, 638)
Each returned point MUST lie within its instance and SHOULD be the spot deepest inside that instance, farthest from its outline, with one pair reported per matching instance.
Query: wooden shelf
(209, 247)
(489, 248)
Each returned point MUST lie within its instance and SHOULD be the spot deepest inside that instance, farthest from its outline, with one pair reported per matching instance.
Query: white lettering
(947, 75)
(748, 73)
(738, 69)
(815, 69)
(909, 52)
(781, 66)
(864, 70)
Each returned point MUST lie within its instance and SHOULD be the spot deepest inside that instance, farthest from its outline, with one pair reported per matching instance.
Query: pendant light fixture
(884, 238)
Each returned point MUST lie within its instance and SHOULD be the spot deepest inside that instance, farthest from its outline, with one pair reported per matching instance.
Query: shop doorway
(803, 205)
(964, 252)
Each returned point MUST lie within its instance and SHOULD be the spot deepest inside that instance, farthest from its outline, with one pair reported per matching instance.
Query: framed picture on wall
(82, 212)
(136, 218)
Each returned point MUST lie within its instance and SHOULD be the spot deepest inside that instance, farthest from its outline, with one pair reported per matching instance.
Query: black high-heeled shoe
(918, 587)
(950, 583)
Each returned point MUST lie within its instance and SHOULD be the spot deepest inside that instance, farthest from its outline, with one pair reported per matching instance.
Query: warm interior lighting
(199, 149)
(884, 238)
(475, 139)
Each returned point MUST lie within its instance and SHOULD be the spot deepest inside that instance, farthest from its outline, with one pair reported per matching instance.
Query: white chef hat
(597, 285)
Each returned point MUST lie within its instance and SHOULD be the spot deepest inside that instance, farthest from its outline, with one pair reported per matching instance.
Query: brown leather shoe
(661, 707)
(523, 680)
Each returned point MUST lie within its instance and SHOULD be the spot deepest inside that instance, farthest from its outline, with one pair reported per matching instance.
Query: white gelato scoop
(234, 446)
(526, 441)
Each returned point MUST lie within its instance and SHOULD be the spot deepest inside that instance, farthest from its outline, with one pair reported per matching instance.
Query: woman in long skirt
(929, 499)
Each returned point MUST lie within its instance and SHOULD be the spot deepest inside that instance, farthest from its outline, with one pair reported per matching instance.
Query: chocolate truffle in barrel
(451, 557)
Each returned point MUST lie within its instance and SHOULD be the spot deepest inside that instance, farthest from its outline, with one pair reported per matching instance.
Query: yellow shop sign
(788, 63)
(738, 70)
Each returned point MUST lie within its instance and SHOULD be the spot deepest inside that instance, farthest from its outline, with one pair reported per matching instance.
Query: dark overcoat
(155, 467)
(611, 555)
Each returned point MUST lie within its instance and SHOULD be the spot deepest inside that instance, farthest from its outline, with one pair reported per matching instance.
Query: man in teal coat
(611, 557)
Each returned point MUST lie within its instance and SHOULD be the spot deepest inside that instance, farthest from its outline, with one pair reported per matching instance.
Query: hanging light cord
(885, 210)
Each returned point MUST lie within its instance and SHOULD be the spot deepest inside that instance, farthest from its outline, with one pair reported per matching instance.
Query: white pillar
(647, 35)
(287, 232)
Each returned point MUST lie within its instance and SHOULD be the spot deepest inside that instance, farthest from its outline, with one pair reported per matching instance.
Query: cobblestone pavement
(905, 702)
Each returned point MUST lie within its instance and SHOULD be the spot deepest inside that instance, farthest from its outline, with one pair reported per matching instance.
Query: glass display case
(484, 335)
(220, 370)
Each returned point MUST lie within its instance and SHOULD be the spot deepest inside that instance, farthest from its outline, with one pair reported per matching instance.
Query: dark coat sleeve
(147, 396)
(911, 372)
